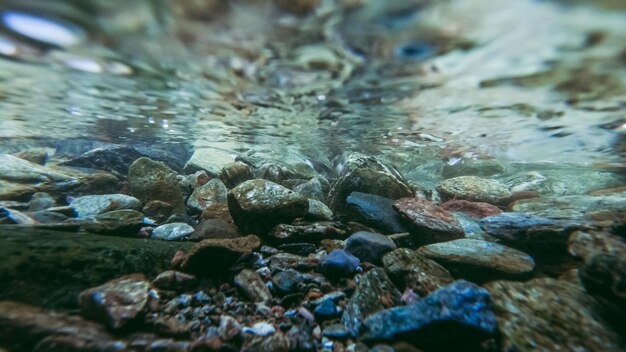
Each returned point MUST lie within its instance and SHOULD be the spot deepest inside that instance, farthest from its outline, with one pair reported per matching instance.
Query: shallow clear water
(527, 80)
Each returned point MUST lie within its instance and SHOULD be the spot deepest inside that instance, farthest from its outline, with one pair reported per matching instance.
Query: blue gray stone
(512, 226)
(369, 246)
(172, 232)
(376, 211)
(89, 206)
(338, 264)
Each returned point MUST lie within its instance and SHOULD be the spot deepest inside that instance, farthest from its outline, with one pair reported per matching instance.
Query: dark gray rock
(428, 222)
(172, 232)
(604, 275)
(312, 189)
(229, 328)
(89, 206)
(376, 211)
(41, 201)
(374, 292)
(409, 270)
(37, 156)
(116, 303)
(368, 175)
(258, 205)
(326, 310)
(298, 248)
(480, 261)
(473, 167)
(336, 331)
(173, 280)
(319, 211)
(456, 317)
(338, 264)
(252, 286)
(369, 246)
(119, 158)
(117, 223)
(213, 257)
(158, 211)
(287, 281)
(210, 193)
(549, 315)
(313, 232)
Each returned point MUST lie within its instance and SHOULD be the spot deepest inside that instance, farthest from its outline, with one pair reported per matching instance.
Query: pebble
(336, 331)
(172, 232)
(312, 189)
(229, 328)
(211, 160)
(158, 211)
(49, 31)
(125, 223)
(258, 205)
(326, 310)
(312, 232)
(369, 246)
(235, 173)
(319, 211)
(261, 329)
(252, 286)
(480, 261)
(174, 280)
(213, 192)
(37, 156)
(338, 264)
(287, 281)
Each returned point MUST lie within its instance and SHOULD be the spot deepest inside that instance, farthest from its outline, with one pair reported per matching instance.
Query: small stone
(326, 310)
(456, 317)
(229, 328)
(338, 264)
(428, 222)
(410, 270)
(158, 211)
(336, 331)
(117, 223)
(89, 206)
(374, 292)
(14, 169)
(41, 201)
(235, 173)
(37, 156)
(368, 175)
(150, 180)
(298, 248)
(174, 281)
(117, 302)
(475, 189)
(48, 217)
(215, 256)
(312, 189)
(252, 286)
(213, 192)
(549, 315)
(170, 326)
(475, 209)
(319, 211)
(172, 232)
(280, 261)
(261, 329)
(480, 261)
(287, 281)
(512, 226)
(258, 205)
(369, 246)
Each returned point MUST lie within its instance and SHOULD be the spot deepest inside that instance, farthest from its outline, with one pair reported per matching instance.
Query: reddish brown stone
(215, 256)
(475, 209)
(428, 222)
(217, 211)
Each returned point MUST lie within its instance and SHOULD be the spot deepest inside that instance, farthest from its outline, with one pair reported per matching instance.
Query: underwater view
(312, 175)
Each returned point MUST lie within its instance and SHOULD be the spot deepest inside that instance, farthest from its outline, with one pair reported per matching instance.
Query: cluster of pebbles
(291, 255)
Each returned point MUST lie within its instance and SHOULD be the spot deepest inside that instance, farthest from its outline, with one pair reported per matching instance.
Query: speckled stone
(408, 269)
(475, 189)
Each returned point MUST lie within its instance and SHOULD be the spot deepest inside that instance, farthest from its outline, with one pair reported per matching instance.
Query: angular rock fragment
(214, 256)
(210, 193)
(410, 270)
(339, 264)
(252, 286)
(369, 246)
(150, 180)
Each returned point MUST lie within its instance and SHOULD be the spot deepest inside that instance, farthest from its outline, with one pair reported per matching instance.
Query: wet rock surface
(152, 180)
(214, 256)
(525, 311)
(369, 246)
(90, 206)
(376, 211)
(428, 222)
(258, 205)
(475, 189)
(480, 261)
(410, 270)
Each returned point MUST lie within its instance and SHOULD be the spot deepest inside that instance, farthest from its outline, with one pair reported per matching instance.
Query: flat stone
(476, 189)
(116, 303)
(475, 209)
(562, 181)
(235, 173)
(374, 292)
(252, 286)
(14, 169)
(473, 167)
(512, 227)
(89, 206)
(173, 280)
(376, 211)
(172, 232)
(368, 175)
(453, 318)
(211, 160)
(258, 205)
(212, 257)
(158, 211)
(23, 327)
(549, 315)
(210, 193)
(369, 246)
(312, 232)
(37, 156)
(286, 281)
(150, 180)
(428, 222)
(409, 270)
(572, 207)
(281, 261)
(301, 248)
(338, 264)
(117, 223)
(604, 275)
(480, 261)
